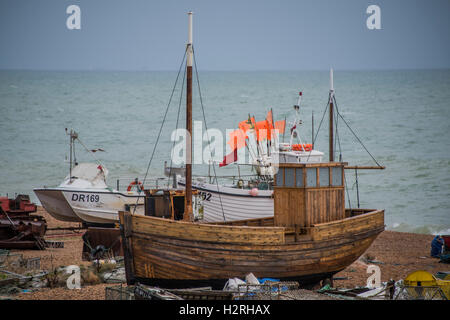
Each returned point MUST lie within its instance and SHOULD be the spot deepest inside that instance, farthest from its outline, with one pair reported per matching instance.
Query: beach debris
(115, 276)
(100, 271)
(142, 292)
(18, 228)
(17, 263)
(370, 259)
(54, 244)
(341, 278)
(419, 285)
(203, 293)
(384, 292)
(232, 284)
(375, 262)
(261, 289)
(422, 285)
(119, 292)
(20, 207)
(101, 243)
(444, 258)
(251, 279)
(443, 275)
(404, 292)
(20, 274)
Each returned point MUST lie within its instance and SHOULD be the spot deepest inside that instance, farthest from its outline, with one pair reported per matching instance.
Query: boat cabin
(308, 194)
(168, 203)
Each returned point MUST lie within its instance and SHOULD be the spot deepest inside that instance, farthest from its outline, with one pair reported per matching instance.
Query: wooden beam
(312, 165)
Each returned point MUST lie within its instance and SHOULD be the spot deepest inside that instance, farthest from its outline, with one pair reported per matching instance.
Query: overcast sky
(228, 34)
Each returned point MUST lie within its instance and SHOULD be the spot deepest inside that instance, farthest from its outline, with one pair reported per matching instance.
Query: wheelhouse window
(311, 177)
(289, 176)
(299, 177)
(324, 176)
(279, 177)
(316, 177)
(336, 174)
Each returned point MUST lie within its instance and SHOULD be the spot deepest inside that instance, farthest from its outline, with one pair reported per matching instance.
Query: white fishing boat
(229, 202)
(84, 195)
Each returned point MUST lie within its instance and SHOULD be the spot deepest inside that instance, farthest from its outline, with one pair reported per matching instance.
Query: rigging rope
(206, 127)
(89, 151)
(338, 140)
(359, 140)
(320, 124)
(160, 129)
(176, 126)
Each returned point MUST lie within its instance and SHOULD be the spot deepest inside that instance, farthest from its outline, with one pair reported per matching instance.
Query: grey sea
(402, 117)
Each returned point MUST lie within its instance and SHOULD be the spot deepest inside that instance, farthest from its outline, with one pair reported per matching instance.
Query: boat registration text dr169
(85, 197)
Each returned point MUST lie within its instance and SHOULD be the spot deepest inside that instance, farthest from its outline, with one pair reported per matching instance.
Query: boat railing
(123, 183)
(243, 181)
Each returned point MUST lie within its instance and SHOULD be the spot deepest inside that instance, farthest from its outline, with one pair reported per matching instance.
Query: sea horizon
(400, 115)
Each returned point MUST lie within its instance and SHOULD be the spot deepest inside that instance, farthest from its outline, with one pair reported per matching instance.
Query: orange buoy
(138, 184)
(302, 147)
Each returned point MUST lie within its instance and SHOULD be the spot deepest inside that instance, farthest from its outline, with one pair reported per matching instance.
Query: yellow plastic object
(423, 285)
(447, 277)
(420, 278)
(445, 286)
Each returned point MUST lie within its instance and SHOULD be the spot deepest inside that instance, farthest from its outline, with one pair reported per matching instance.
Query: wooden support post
(331, 142)
(188, 189)
(126, 232)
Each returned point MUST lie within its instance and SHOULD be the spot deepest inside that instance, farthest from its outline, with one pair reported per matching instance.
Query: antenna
(331, 140)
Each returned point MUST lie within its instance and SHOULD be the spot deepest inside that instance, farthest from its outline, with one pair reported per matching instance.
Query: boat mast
(331, 150)
(312, 129)
(70, 157)
(73, 135)
(189, 56)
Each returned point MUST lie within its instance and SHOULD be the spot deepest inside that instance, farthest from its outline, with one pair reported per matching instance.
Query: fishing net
(119, 293)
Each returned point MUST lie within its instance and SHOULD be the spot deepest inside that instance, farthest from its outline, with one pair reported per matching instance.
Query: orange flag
(247, 124)
(280, 125)
(237, 139)
(269, 119)
(261, 130)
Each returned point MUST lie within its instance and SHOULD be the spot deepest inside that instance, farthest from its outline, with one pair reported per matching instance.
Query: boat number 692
(85, 197)
(205, 195)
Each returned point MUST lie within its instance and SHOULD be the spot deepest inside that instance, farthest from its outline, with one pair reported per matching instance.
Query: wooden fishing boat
(310, 237)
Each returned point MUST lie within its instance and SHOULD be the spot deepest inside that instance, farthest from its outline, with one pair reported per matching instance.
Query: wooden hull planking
(164, 250)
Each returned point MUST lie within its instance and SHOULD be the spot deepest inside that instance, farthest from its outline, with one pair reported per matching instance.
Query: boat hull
(232, 204)
(56, 205)
(185, 253)
(101, 207)
(91, 206)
